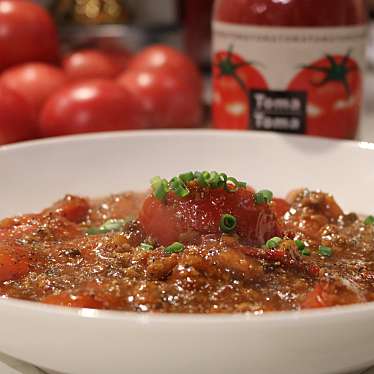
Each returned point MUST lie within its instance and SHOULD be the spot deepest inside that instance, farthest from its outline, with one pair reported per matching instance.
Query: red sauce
(54, 257)
(257, 48)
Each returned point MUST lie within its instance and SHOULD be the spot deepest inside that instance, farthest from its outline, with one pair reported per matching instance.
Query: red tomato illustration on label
(334, 87)
(233, 77)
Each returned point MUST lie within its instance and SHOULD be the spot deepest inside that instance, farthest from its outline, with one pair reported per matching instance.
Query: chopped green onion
(146, 247)
(113, 225)
(369, 220)
(300, 244)
(305, 252)
(94, 231)
(160, 187)
(325, 251)
(214, 180)
(273, 242)
(187, 177)
(178, 186)
(263, 197)
(227, 223)
(232, 184)
(174, 248)
(202, 178)
(223, 177)
(108, 226)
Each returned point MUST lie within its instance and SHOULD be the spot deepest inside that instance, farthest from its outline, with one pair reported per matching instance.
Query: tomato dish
(201, 242)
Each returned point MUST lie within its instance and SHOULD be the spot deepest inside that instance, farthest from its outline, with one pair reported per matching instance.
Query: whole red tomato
(233, 78)
(27, 34)
(34, 81)
(168, 100)
(179, 218)
(91, 106)
(161, 56)
(120, 58)
(334, 86)
(90, 64)
(16, 122)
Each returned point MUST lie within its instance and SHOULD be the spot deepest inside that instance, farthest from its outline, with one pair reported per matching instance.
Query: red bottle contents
(291, 66)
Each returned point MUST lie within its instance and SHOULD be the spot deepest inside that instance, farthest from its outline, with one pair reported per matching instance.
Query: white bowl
(335, 340)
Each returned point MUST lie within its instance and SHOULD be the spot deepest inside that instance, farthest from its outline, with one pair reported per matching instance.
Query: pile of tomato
(46, 93)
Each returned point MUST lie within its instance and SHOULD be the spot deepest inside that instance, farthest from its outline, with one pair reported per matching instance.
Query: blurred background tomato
(69, 66)
(91, 106)
(73, 66)
(35, 82)
(28, 33)
(16, 121)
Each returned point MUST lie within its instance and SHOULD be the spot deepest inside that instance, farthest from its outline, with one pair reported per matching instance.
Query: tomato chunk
(13, 263)
(331, 293)
(178, 218)
(73, 208)
(38, 227)
(78, 301)
(280, 207)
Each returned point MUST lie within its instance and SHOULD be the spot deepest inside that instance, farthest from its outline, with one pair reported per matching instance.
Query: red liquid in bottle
(293, 66)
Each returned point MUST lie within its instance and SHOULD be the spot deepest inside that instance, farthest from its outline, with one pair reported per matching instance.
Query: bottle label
(288, 79)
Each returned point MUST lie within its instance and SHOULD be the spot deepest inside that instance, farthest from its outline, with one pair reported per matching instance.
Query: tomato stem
(335, 72)
(227, 67)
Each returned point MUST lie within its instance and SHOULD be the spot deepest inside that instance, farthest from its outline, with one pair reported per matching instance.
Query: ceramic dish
(335, 340)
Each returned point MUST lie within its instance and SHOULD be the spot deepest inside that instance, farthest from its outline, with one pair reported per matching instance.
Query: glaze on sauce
(49, 257)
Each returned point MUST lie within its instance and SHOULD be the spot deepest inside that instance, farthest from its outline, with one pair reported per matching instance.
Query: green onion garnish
(113, 225)
(223, 177)
(227, 223)
(108, 226)
(305, 252)
(160, 187)
(214, 180)
(203, 179)
(263, 197)
(232, 184)
(200, 178)
(146, 247)
(180, 183)
(273, 242)
(94, 231)
(174, 248)
(187, 177)
(179, 187)
(300, 244)
(325, 251)
(369, 220)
